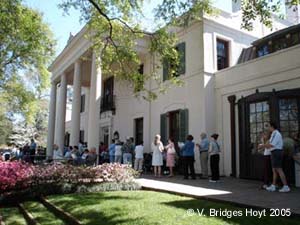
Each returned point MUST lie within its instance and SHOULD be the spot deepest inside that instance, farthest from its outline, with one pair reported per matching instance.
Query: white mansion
(234, 82)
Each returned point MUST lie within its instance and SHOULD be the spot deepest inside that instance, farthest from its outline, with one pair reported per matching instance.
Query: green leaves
(259, 9)
(115, 31)
(26, 49)
(25, 41)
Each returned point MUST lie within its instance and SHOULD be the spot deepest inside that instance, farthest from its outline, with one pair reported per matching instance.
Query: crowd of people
(162, 156)
(76, 155)
(209, 150)
(30, 152)
(171, 155)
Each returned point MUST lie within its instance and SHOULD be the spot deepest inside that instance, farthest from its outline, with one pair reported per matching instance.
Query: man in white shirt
(275, 145)
(57, 153)
(139, 157)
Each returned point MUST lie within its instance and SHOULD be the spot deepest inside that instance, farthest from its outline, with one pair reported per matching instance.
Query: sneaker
(284, 189)
(271, 188)
(212, 181)
(264, 186)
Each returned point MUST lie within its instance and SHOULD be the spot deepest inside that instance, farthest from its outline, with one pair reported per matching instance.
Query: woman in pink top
(170, 148)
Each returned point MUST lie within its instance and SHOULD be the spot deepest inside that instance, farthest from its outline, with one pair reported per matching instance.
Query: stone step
(65, 216)
(27, 215)
(41, 214)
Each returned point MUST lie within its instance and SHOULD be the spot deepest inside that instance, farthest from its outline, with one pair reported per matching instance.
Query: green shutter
(181, 52)
(183, 124)
(165, 69)
(163, 128)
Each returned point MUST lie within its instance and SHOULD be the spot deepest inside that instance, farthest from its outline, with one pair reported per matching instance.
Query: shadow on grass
(95, 217)
(12, 216)
(41, 214)
(89, 198)
(85, 207)
(209, 208)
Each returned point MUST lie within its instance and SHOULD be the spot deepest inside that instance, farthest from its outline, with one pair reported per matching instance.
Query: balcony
(108, 103)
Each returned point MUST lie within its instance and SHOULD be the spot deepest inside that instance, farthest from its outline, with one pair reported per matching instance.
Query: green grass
(41, 214)
(12, 216)
(146, 207)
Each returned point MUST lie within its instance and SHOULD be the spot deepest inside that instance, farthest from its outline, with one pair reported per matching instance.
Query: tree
(25, 40)
(115, 27)
(26, 49)
(6, 127)
(21, 134)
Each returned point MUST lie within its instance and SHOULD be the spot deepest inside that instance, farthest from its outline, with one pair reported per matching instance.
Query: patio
(240, 192)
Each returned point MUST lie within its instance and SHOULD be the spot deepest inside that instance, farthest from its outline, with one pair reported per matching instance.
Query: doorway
(255, 113)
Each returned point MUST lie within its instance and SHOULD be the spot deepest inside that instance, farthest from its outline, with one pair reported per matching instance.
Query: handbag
(171, 150)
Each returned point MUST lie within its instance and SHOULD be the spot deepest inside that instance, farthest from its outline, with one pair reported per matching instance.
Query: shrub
(16, 176)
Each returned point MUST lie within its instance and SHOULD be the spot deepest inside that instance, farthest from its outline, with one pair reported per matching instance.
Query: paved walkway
(237, 191)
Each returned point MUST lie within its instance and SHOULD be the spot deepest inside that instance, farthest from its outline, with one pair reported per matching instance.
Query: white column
(56, 138)
(76, 102)
(62, 112)
(51, 121)
(94, 104)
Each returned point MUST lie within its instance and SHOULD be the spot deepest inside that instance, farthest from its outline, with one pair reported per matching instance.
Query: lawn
(146, 207)
(12, 216)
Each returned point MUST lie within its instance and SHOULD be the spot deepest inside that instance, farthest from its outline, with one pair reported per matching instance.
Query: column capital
(232, 99)
(53, 83)
(79, 61)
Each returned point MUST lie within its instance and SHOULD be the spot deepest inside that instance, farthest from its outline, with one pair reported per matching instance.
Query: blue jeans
(111, 158)
(127, 158)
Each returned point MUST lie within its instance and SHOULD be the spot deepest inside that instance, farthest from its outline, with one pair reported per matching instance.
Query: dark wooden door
(174, 125)
(255, 113)
(255, 122)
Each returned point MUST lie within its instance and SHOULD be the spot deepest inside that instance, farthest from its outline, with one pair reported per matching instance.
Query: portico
(76, 66)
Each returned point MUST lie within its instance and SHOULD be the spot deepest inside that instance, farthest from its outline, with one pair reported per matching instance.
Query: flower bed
(20, 180)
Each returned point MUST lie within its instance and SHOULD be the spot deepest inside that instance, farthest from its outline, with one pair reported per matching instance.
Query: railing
(39, 159)
(108, 103)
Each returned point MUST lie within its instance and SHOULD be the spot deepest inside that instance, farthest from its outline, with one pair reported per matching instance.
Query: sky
(62, 25)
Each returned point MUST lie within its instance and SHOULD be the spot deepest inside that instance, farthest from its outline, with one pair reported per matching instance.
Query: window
(141, 69)
(82, 103)
(108, 100)
(174, 124)
(263, 50)
(279, 44)
(67, 139)
(182, 63)
(81, 136)
(259, 118)
(222, 54)
(289, 117)
(295, 39)
(139, 130)
(140, 79)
